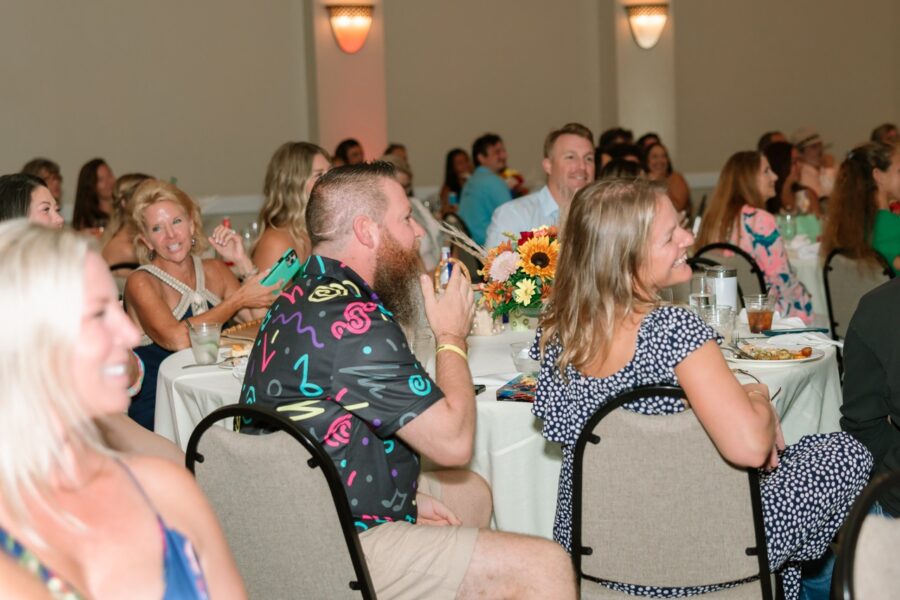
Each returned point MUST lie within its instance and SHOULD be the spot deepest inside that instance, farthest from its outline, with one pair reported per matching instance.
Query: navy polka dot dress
(805, 500)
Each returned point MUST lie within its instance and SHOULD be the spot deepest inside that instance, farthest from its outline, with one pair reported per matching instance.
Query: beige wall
(202, 90)
(516, 68)
(747, 67)
(350, 88)
(645, 80)
(205, 90)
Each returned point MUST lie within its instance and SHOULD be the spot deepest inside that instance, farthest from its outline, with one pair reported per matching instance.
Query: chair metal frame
(754, 267)
(760, 550)
(853, 527)
(827, 268)
(320, 459)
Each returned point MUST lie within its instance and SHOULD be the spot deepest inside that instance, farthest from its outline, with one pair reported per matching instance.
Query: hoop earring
(151, 255)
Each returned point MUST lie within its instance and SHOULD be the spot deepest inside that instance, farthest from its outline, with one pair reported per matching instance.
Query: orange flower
(496, 292)
(545, 291)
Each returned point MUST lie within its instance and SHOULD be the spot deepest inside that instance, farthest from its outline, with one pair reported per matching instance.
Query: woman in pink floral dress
(737, 214)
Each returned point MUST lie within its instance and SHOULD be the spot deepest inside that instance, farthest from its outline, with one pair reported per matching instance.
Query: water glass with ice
(205, 342)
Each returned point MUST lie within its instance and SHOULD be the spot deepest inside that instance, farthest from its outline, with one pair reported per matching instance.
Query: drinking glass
(523, 362)
(205, 342)
(760, 308)
(788, 226)
(721, 318)
(702, 292)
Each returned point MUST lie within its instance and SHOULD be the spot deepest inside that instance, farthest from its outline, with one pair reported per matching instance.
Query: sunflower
(539, 257)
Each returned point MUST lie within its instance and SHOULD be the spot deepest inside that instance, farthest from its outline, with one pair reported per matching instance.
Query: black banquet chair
(867, 566)
(630, 470)
(750, 277)
(282, 506)
(846, 281)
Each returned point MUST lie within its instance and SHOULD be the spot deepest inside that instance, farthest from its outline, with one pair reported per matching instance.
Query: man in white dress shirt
(569, 164)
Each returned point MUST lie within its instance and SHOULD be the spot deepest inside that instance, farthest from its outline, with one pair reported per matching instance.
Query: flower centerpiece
(518, 275)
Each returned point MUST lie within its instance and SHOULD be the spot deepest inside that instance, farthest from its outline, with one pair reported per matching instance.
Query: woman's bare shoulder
(274, 243)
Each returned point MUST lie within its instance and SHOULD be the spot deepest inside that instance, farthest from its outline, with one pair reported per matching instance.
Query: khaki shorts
(418, 561)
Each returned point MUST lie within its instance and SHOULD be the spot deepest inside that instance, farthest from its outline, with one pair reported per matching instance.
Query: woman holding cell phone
(174, 289)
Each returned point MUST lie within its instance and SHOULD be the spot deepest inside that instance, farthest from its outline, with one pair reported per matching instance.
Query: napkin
(809, 338)
(798, 241)
(803, 248)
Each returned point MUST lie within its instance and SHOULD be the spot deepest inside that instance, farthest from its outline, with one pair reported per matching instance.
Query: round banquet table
(509, 452)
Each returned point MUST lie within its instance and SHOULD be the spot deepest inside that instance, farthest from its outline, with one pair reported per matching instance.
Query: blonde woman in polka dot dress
(604, 333)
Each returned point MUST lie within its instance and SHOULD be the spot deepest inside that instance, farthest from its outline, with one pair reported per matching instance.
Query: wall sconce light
(647, 22)
(350, 24)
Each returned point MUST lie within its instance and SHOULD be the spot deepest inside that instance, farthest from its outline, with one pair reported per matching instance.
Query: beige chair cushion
(662, 506)
(848, 281)
(876, 570)
(278, 515)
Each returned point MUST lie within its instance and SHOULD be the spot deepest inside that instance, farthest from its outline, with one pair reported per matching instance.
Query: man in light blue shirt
(569, 165)
(485, 190)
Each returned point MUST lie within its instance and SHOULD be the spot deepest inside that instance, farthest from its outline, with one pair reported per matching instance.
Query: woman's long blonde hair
(603, 246)
(737, 186)
(41, 415)
(285, 188)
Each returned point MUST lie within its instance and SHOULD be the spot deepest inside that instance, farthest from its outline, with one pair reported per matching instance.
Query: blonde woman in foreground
(75, 517)
(605, 333)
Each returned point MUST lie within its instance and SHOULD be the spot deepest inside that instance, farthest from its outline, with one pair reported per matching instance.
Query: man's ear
(546, 164)
(366, 231)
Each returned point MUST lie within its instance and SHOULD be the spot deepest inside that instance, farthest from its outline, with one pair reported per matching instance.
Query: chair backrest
(750, 277)
(867, 567)
(120, 273)
(472, 262)
(655, 504)
(282, 506)
(846, 281)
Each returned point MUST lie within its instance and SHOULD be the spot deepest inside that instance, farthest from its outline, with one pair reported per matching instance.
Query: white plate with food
(773, 356)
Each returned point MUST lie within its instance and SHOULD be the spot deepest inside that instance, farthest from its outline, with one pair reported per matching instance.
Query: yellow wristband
(452, 348)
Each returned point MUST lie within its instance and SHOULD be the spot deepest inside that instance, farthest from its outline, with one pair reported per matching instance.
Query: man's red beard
(396, 276)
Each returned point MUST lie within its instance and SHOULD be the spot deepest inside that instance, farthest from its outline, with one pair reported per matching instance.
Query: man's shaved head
(341, 195)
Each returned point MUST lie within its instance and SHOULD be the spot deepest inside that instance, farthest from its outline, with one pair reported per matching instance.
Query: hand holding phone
(283, 270)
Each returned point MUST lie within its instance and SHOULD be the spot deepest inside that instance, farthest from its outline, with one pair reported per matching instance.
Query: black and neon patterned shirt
(330, 357)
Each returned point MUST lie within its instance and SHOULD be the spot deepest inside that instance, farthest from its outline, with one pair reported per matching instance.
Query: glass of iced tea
(760, 308)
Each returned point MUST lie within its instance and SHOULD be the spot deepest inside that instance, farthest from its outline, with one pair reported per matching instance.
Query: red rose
(524, 236)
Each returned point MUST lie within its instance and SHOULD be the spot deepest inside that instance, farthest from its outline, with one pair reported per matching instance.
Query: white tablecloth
(522, 468)
(809, 271)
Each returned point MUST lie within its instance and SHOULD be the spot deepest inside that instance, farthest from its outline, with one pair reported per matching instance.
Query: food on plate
(772, 353)
(238, 350)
